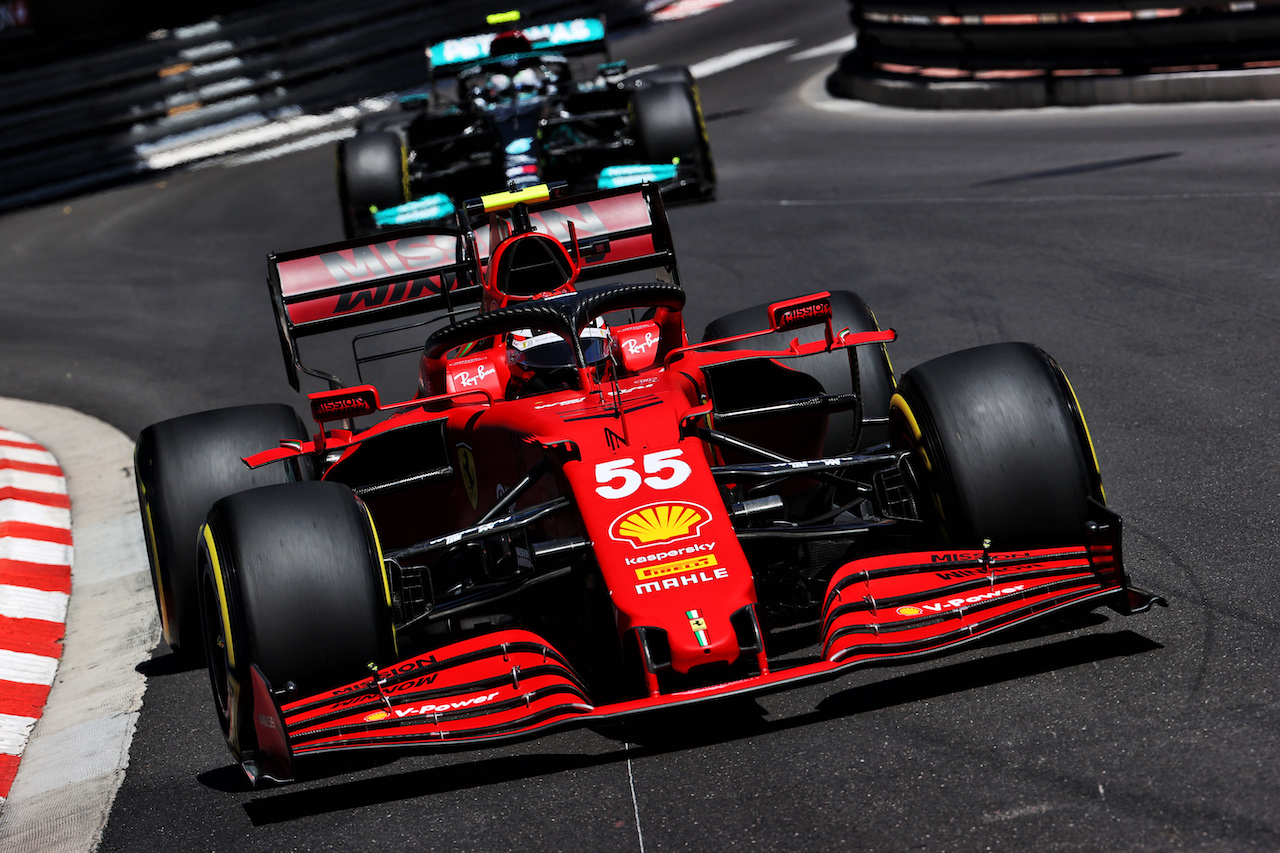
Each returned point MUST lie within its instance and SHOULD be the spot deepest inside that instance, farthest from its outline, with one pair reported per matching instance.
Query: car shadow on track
(667, 731)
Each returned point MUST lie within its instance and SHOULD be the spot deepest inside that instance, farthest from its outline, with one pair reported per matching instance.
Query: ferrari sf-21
(581, 514)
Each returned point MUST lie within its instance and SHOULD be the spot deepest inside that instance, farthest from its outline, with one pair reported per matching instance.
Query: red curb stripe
(39, 637)
(22, 700)
(30, 467)
(46, 498)
(32, 637)
(39, 532)
(49, 578)
(8, 769)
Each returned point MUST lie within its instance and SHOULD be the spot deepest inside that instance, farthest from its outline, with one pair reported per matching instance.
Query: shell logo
(909, 611)
(657, 523)
(376, 715)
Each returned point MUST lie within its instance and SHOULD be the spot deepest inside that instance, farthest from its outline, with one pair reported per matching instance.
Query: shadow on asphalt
(667, 731)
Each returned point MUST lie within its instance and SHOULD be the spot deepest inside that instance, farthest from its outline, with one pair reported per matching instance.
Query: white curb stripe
(35, 551)
(27, 668)
(21, 602)
(14, 732)
(12, 509)
(33, 482)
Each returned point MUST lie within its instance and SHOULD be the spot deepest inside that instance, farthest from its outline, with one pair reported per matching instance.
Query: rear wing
(573, 37)
(430, 274)
(618, 231)
(424, 271)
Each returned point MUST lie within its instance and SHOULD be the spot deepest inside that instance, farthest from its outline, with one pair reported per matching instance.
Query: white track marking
(631, 779)
(682, 9)
(741, 56)
(13, 733)
(831, 48)
(35, 551)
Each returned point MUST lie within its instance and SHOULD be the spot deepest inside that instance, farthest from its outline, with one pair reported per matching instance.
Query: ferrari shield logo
(467, 468)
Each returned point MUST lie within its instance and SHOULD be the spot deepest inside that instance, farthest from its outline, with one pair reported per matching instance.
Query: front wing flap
(512, 683)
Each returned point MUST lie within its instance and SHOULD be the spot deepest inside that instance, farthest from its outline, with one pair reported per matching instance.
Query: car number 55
(619, 478)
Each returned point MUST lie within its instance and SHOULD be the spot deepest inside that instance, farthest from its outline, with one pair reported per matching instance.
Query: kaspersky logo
(659, 523)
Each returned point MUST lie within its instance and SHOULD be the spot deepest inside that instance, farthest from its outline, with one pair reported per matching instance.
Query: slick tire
(372, 172)
(668, 124)
(292, 581)
(181, 467)
(833, 370)
(1002, 449)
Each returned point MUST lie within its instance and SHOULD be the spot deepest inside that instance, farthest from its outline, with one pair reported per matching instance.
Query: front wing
(512, 683)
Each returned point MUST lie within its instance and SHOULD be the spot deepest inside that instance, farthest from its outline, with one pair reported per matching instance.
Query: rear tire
(1003, 449)
(292, 581)
(372, 172)
(832, 370)
(181, 467)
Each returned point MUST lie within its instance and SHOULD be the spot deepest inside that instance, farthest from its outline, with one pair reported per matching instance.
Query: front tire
(669, 126)
(292, 581)
(372, 173)
(1002, 449)
(181, 467)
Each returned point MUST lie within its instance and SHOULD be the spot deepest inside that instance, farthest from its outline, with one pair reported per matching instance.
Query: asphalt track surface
(1137, 245)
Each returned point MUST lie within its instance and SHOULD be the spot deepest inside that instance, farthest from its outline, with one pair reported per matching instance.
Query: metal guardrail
(100, 118)
(1051, 45)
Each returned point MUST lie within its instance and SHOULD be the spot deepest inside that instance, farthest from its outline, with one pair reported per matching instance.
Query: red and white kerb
(35, 583)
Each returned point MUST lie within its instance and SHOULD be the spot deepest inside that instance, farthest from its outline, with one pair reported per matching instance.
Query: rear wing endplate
(359, 283)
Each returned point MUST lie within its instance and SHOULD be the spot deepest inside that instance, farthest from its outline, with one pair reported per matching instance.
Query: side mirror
(343, 404)
(811, 310)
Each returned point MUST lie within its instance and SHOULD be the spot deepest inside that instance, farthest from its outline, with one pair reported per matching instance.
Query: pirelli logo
(661, 570)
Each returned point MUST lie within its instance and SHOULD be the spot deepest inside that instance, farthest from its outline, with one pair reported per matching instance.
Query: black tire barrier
(90, 120)
(1033, 53)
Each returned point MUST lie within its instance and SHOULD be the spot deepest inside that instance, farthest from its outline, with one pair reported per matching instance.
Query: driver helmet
(497, 88)
(512, 41)
(544, 361)
(529, 82)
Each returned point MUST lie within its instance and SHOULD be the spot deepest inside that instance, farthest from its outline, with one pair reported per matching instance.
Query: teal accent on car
(435, 206)
(625, 176)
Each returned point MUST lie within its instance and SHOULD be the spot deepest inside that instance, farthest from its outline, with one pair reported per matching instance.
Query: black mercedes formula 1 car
(518, 108)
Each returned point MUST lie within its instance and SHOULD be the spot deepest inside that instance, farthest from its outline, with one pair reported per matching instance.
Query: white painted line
(14, 732)
(840, 45)
(304, 144)
(682, 9)
(266, 133)
(23, 602)
(24, 668)
(35, 551)
(27, 512)
(10, 435)
(30, 482)
(28, 454)
(741, 56)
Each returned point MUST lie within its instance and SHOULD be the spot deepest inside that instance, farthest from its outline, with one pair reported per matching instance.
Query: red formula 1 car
(581, 515)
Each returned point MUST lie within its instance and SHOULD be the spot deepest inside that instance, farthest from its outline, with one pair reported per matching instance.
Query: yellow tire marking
(382, 568)
(149, 524)
(222, 593)
(1093, 454)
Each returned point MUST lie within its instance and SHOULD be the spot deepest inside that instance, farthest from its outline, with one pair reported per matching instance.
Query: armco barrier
(69, 125)
(1031, 53)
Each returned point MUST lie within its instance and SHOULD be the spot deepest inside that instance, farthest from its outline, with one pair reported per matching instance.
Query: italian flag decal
(699, 626)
